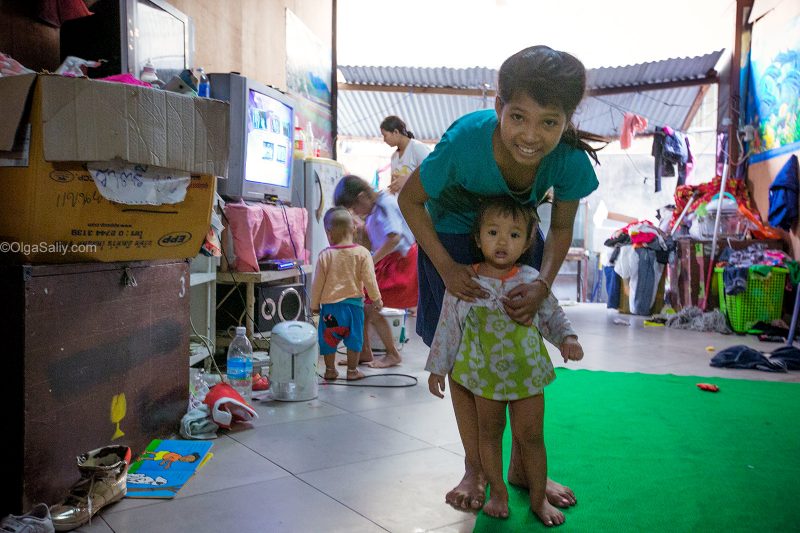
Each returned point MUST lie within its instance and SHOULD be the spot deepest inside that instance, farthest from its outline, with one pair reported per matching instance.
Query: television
(128, 33)
(261, 139)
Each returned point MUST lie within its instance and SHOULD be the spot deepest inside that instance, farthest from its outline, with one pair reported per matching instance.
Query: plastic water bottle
(203, 85)
(240, 364)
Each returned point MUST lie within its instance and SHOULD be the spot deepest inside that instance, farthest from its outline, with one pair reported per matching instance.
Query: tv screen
(261, 139)
(126, 33)
(268, 149)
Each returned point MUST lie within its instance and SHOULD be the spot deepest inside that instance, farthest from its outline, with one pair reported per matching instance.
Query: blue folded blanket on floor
(741, 356)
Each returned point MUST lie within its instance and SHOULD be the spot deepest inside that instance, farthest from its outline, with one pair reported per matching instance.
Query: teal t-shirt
(462, 168)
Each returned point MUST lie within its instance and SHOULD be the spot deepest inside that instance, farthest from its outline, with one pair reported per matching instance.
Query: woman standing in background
(409, 154)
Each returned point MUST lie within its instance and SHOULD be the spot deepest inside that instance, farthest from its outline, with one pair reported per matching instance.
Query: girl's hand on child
(377, 304)
(458, 280)
(523, 302)
(571, 349)
(436, 385)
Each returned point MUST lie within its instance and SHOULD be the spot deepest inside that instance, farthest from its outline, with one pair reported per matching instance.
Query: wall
(245, 36)
(249, 36)
(770, 44)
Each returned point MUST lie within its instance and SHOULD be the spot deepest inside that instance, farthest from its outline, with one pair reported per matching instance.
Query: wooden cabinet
(95, 355)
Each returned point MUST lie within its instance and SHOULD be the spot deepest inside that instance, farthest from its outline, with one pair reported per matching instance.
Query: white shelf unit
(203, 300)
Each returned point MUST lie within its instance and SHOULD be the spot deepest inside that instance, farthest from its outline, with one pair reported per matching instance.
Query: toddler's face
(502, 239)
(529, 131)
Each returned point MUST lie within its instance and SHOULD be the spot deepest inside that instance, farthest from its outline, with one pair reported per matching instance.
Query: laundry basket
(762, 301)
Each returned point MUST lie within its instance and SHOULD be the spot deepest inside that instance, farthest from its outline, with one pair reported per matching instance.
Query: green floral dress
(490, 354)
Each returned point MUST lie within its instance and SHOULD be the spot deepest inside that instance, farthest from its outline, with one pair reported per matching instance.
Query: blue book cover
(165, 466)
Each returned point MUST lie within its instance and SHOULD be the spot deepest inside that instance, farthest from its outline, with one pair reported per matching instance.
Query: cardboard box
(50, 208)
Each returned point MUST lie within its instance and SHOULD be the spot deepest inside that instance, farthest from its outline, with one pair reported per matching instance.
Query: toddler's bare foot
(497, 506)
(469, 494)
(331, 374)
(386, 361)
(549, 515)
(354, 374)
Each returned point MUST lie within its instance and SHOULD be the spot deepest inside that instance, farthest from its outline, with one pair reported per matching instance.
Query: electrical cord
(344, 383)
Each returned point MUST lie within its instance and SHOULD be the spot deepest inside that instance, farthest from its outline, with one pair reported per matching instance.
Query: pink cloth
(126, 78)
(631, 125)
(259, 231)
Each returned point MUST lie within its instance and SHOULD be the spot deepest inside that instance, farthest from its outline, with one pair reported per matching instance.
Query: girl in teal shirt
(522, 148)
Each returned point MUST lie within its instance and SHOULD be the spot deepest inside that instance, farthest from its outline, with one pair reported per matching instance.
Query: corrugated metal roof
(429, 114)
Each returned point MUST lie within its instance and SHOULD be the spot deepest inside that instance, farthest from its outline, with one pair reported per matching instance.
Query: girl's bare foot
(354, 374)
(331, 374)
(557, 494)
(386, 361)
(469, 494)
(497, 506)
(549, 515)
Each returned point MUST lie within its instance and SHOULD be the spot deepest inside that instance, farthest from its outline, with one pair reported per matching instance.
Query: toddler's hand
(378, 304)
(571, 349)
(436, 385)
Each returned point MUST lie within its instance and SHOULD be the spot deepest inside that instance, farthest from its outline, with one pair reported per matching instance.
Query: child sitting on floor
(342, 272)
(503, 363)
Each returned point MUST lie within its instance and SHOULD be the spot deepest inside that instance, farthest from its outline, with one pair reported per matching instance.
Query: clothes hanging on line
(671, 148)
(631, 125)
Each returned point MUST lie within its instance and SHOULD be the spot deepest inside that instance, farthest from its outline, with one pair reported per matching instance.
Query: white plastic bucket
(397, 320)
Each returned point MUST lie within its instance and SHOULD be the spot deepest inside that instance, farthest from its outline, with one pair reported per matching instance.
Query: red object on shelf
(708, 387)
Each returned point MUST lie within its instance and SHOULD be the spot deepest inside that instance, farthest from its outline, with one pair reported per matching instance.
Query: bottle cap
(240, 330)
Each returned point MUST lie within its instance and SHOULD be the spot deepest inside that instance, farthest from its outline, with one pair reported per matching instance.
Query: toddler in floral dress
(501, 362)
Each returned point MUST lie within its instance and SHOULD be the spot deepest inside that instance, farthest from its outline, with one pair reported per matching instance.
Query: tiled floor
(380, 459)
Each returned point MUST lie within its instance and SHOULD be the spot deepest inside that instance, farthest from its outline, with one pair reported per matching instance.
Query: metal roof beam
(710, 78)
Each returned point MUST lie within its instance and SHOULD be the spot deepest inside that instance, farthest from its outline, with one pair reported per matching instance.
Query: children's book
(165, 466)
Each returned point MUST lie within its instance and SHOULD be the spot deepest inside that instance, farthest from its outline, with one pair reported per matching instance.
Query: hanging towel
(783, 196)
(631, 125)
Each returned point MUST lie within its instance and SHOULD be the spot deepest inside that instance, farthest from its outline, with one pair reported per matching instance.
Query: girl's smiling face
(528, 131)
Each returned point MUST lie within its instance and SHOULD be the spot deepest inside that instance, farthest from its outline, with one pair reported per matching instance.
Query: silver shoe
(103, 473)
(37, 520)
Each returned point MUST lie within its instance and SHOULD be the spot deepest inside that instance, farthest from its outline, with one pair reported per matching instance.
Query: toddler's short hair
(337, 222)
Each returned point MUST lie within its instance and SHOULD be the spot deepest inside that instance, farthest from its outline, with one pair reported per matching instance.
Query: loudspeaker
(274, 304)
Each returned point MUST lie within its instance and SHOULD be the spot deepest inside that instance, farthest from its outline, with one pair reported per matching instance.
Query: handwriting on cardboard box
(126, 183)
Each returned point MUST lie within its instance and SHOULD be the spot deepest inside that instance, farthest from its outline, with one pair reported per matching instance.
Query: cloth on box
(260, 231)
(397, 279)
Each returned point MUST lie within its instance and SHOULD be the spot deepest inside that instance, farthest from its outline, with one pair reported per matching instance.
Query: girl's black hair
(551, 78)
(505, 205)
(393, 122)
(348, 189)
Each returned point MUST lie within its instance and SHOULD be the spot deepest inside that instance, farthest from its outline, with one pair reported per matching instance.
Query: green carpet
(650, 453)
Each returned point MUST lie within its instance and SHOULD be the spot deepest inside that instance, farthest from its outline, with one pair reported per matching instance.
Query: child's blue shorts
(340, 322)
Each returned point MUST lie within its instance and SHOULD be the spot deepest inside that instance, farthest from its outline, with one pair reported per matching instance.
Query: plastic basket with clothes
(761, 301)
